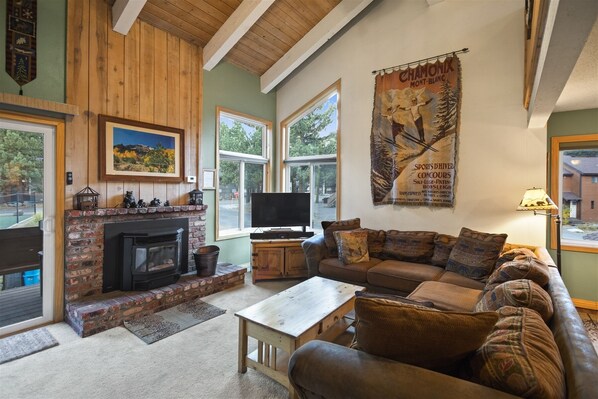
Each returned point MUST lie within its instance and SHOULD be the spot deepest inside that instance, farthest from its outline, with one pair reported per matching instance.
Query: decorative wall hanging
(139, 151)
(415, 124)
(21, 28)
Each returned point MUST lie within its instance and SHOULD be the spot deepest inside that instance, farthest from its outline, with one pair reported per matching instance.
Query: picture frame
(138, 151)
(208, 180)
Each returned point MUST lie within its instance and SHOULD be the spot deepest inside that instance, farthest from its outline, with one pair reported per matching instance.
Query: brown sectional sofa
(325, 370)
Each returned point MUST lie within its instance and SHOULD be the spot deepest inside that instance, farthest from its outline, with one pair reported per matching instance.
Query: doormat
(25, 344)
(163, 324)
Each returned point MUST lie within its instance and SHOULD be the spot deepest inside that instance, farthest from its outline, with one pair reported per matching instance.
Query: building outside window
(310, 146)
(575, 162)
(243, 168)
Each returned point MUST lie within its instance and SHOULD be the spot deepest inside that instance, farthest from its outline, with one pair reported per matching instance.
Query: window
(310, 150)
(594, 179)
(243, 168)
(574, 166)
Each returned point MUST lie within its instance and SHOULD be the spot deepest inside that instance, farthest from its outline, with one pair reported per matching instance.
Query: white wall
(498, 157)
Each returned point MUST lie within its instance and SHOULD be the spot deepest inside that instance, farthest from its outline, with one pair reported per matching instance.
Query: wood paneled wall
(148, 75)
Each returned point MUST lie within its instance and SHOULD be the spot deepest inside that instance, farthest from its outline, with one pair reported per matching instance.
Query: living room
(153, 76)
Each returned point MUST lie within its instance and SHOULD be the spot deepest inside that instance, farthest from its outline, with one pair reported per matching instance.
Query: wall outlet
(191, 179)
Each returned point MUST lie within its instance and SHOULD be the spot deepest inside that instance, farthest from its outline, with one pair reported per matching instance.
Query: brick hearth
(88, 310)
(99, 313)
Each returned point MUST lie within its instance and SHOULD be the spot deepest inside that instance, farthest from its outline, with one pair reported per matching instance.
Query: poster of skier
(415, 123)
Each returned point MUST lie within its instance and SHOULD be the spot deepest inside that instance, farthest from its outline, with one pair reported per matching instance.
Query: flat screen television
(280, 209)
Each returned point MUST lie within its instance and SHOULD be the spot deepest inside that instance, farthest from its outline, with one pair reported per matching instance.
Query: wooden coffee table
(313, 309)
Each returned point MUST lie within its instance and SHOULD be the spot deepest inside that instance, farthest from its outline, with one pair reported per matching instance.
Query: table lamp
(536, 199)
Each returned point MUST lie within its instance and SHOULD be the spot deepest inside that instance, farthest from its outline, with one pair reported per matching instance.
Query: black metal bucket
(206, 259)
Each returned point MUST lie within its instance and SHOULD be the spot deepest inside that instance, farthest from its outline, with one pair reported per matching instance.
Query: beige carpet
(199, 362)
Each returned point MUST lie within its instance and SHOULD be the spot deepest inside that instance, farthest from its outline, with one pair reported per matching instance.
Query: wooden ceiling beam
(568, 25)
(241, 20)
(334, 21)
(124, 14)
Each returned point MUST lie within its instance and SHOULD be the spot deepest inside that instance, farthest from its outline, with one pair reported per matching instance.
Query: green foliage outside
(21, 162)
(582, 153)
(243, 139)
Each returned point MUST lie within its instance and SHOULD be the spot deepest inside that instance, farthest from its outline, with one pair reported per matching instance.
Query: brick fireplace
(88, 310)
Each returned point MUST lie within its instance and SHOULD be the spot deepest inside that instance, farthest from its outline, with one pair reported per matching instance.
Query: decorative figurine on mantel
(87, 199)
(155, 202)
(196, 197)
(166, 203)
(129, 201)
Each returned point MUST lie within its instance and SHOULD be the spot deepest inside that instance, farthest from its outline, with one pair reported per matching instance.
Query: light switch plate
(191, 179)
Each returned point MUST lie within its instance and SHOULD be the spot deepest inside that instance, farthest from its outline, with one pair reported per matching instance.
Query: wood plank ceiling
(275, 32)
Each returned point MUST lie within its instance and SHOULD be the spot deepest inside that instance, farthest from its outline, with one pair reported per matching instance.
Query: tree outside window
(242, 169)
(310, 149)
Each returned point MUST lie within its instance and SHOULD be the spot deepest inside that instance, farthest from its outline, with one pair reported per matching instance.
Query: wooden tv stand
(277, 259)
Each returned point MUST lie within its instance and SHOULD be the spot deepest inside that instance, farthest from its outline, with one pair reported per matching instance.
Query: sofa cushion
(419, 336)
(401, 276)
(523, 267)
(331, 226)
(474, 254)
(518, 293)
(354, 272)
(410, 246)
(446, 296)
(352, 246)
(443, 245)
(376, 239)
(520, 356)
(511, 254)
(457, 279)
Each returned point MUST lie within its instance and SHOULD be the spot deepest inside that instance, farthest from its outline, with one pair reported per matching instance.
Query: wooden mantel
(23, 103)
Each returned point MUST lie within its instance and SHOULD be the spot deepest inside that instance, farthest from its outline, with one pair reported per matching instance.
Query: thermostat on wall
(191, 179)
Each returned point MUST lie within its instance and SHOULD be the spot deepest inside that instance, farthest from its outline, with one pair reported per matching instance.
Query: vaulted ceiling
(268, 38)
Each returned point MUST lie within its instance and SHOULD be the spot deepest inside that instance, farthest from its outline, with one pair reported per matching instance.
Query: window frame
(286, 161)
(557, 144)
(265, 159)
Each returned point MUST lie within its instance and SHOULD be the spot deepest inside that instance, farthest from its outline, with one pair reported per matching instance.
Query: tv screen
(280, 209)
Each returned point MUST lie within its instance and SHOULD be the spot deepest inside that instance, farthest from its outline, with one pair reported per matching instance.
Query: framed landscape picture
(138, 151)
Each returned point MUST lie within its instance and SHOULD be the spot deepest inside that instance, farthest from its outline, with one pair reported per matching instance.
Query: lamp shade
(536, 199)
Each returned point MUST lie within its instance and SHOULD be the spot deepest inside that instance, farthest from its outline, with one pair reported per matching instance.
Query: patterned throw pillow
(376, 240)
(420, 336)
(474, 254)
(518, 293)
(410, 246)
(520, 357)
(511, 254)
(352, 246)
(522, 267)
(443, 245)
(332, 226)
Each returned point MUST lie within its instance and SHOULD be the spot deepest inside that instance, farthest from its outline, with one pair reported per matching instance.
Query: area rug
(25, 344)
(163, 324)
(592, 329)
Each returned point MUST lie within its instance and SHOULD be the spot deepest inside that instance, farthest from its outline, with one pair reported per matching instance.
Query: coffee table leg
(292, 348)
(242, 346)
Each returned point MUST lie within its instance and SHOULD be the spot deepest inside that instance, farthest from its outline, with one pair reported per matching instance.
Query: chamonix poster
(415, 124)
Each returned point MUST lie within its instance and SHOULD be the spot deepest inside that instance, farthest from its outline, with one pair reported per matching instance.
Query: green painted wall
(233, 88)
(50, 82)
(580, 269)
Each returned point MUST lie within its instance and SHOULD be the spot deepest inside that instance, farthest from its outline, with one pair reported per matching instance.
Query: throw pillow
(520, 357)
(474, 254)
(352, 246)
(443, 245)
(331, 226)
(410, 246)
(511, 254)
(522, 267)
(419, 336)
(376, 239)
(518, 293)
(395, 298)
